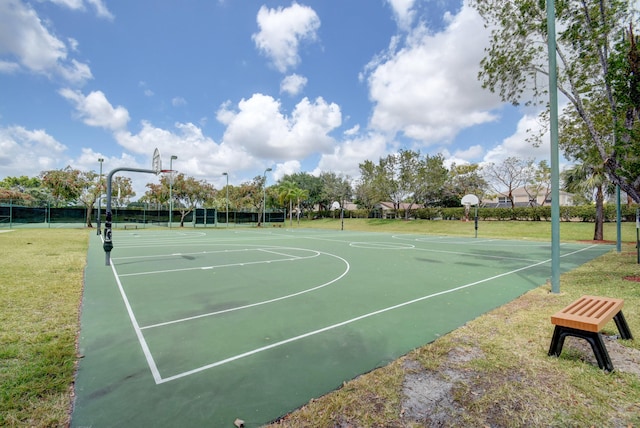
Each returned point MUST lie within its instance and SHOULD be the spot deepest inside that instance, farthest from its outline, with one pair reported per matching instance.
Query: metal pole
(264, 194)
(618, 220)
(224, 173)
(171, 188)
(555, 158)
(108, 241)
(99, 194)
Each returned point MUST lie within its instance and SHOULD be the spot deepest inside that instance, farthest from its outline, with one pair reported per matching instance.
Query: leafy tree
(288, 192)
(186, 192)
(70, 186)
(463, 180)
(335, 187)
(121, 190)
(65, 185)
(539, 183)
(367, 192)
(509, 175)
(430, 179)
(314, 187)
(582, 178)
(27, 189)
(597, 73)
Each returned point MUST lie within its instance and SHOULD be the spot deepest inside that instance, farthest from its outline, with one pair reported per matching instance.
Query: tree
(583, 178)
(509, 175)
(314, 187)
(463, 180)
(335, 188)
(288, 191)
(286, 194)
(71, 186)
(367, 192)
(539, 183)
(431, 177)
(121, 191)
(597, 73)
(27, 189)
(186, 192)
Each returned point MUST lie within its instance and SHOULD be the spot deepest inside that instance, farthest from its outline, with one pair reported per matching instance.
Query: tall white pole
(99, 194)
(227, 174)
(264, 194)
(555, 158)
(171, 188)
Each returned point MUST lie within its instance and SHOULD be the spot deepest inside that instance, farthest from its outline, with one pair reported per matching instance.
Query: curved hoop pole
(108, 242)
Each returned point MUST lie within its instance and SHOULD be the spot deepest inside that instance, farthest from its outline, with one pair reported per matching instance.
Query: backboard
(470, 200)
(156, 164)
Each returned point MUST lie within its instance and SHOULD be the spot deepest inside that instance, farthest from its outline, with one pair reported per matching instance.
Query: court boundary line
(352, 320)
(136, 327)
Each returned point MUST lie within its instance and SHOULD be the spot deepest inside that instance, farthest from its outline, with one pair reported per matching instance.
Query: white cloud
(347, 155)
(29, 152)
(293, 84)
(95, 110)
(352, 131)
(260, 128)
(402, 10)
(79, 5)
(517, 144)
(282, 30)
(286, 168)
(428, 90)
(178, 102)
(24, 37)
(101, 9)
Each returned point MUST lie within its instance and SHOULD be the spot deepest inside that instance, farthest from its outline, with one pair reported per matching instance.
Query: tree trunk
(598, 234)
(89, 212)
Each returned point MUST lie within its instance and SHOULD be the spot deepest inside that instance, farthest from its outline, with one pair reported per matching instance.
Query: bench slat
(588, 313)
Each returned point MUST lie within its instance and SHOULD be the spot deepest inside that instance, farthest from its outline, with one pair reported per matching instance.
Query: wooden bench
(585, 318)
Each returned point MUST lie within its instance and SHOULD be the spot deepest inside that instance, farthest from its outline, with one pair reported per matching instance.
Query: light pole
(99, 193)
(264, 194)
(171, 188)
(224, 173)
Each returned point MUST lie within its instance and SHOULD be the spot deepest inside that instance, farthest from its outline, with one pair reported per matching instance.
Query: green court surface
(200, 327)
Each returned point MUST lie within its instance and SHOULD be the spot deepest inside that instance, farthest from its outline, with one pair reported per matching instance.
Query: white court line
(264, 302)
(287, 259)
(143, 343)
(352, 320)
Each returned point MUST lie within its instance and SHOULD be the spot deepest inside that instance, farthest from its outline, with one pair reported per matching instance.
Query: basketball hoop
(171, 173)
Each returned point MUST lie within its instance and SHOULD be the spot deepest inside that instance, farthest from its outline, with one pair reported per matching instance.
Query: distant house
(527, 197)
(387, 210)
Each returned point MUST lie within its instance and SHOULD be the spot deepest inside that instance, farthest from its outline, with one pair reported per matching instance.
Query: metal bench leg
(594, 339)
(557, 341)
(623, 327)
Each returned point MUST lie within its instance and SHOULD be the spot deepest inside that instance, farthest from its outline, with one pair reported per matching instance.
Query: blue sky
(239, 86)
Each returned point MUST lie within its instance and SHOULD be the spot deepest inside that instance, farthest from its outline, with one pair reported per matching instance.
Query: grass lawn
(494, 371)
(41, 278)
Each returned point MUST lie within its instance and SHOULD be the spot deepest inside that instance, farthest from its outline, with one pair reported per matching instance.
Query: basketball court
(198, 327)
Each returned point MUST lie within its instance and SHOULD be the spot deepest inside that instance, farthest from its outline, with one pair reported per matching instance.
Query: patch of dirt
(429, 396)
(632, 278)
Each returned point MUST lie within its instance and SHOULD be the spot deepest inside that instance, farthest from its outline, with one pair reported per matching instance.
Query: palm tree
(286, 193)
(582, 178)
(299, 195)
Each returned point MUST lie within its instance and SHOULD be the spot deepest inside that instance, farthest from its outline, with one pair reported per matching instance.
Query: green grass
(539, 230)
(512, 382)
(41, 275)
